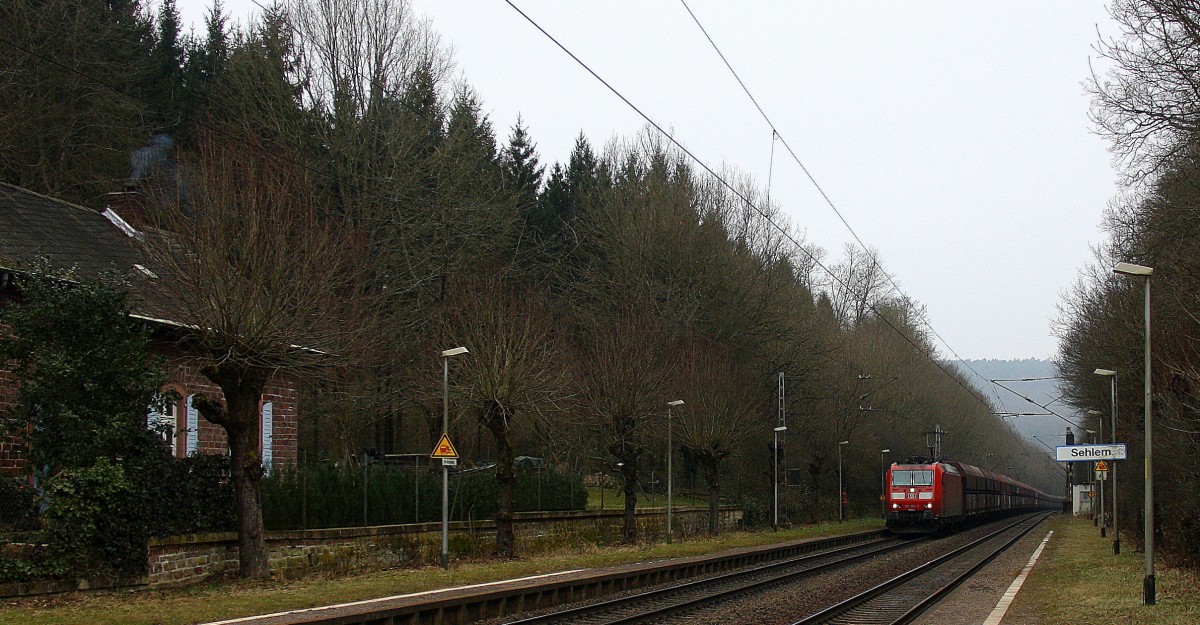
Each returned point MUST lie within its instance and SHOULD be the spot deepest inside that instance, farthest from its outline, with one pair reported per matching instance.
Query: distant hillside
(1032, 378)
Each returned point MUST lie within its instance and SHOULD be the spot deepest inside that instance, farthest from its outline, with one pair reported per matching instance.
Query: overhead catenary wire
(828, 200)
(692, 156)
(283, 157)
(732, 189)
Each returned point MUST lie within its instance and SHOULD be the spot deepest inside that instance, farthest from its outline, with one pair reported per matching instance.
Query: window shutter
(268, 416)
(193, 427)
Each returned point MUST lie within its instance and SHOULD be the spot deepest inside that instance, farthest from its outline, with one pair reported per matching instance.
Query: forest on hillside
(1028, 394)
(336, 188)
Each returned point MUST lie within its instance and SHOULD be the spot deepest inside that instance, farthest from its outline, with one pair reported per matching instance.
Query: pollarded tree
(513, 371)
(265, 282)
(621, 374)
(721, 399)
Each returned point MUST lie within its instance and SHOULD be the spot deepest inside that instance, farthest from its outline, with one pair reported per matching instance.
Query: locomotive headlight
(929, 506)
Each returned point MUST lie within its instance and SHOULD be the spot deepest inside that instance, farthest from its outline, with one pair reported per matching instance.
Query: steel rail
(771, 574)
(847, 611)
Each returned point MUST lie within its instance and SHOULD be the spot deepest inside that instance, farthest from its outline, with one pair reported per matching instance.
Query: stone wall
(184, 560)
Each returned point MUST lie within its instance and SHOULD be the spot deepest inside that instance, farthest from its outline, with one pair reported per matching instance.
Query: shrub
(327, 495)
(18, 510)
(92, 523)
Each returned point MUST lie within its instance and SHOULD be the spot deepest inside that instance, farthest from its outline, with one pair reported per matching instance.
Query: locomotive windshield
(912, 478)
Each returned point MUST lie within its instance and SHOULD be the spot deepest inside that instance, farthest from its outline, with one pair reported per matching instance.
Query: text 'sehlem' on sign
(1089, 453)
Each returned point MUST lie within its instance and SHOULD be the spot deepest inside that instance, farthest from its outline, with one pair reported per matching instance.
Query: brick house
(38, 229)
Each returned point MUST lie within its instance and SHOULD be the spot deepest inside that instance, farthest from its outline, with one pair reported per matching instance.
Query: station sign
(1090, 453)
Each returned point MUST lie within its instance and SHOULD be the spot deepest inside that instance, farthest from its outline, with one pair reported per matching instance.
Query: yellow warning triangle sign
(1101, 466)
(444, 448)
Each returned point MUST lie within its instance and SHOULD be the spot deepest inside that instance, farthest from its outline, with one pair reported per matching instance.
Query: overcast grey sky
(952, 136)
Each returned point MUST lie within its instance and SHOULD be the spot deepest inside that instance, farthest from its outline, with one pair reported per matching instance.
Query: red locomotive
(923, 497)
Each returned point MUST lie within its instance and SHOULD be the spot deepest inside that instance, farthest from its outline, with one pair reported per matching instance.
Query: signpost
(445, 451)
(1090, 453)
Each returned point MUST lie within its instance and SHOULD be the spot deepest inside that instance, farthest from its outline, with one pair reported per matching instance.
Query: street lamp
(841, 515)
(778, 431)
(1096, 474)
(883, 482)
(1148, 589)
(1091, 479)
(670, 473)
(1112, 376)
(445, 468)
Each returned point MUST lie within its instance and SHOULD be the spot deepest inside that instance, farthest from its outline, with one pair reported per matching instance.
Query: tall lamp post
(446, 469)
(1112, 376)
(778, 431)
(1091, 479)
(883, 482)
(1100, 418)
(841, 515)
(1148, 586)
(670, 473)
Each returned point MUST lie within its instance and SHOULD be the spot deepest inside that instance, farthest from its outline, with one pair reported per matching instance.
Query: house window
(164, 420)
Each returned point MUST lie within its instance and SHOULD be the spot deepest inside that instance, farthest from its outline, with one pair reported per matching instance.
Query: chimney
(129, 208)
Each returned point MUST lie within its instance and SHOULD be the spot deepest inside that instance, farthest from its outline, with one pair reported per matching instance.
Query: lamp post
(841, 515)
(778, 431)
(1096, 474)
(1091, 479)
(1148, 586)
(446, 469)
(1112, 376)
(670, 473)
(883, 482)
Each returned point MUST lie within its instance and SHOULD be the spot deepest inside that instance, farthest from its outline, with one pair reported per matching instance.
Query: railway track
(653, 605)
(903, 598)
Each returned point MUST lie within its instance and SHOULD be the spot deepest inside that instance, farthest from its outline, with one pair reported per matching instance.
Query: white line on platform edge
(1010, 594)
(247, 619)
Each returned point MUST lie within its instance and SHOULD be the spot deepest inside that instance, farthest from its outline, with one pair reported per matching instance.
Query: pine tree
(522, 171)
(165, 75)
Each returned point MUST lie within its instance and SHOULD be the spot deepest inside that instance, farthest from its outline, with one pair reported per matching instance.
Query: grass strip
(1079, 581)
(234, 598)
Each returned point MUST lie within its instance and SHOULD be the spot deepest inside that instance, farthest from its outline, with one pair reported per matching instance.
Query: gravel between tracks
(789, 603)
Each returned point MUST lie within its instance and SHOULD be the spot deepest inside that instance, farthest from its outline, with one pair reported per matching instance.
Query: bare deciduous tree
(622, 377)
(264, 284)
(721, 400)
(514, 371)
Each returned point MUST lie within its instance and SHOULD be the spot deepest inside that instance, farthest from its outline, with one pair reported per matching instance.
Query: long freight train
(924, 497)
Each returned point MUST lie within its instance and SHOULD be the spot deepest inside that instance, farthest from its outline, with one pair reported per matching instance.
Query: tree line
(329, 183)
(1147, 106)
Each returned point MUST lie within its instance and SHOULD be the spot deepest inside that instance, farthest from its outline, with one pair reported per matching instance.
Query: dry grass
(1078, 581)
(230, 599)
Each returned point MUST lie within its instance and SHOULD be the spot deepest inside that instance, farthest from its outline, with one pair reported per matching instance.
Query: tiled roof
(37, 229)
(34, 227)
